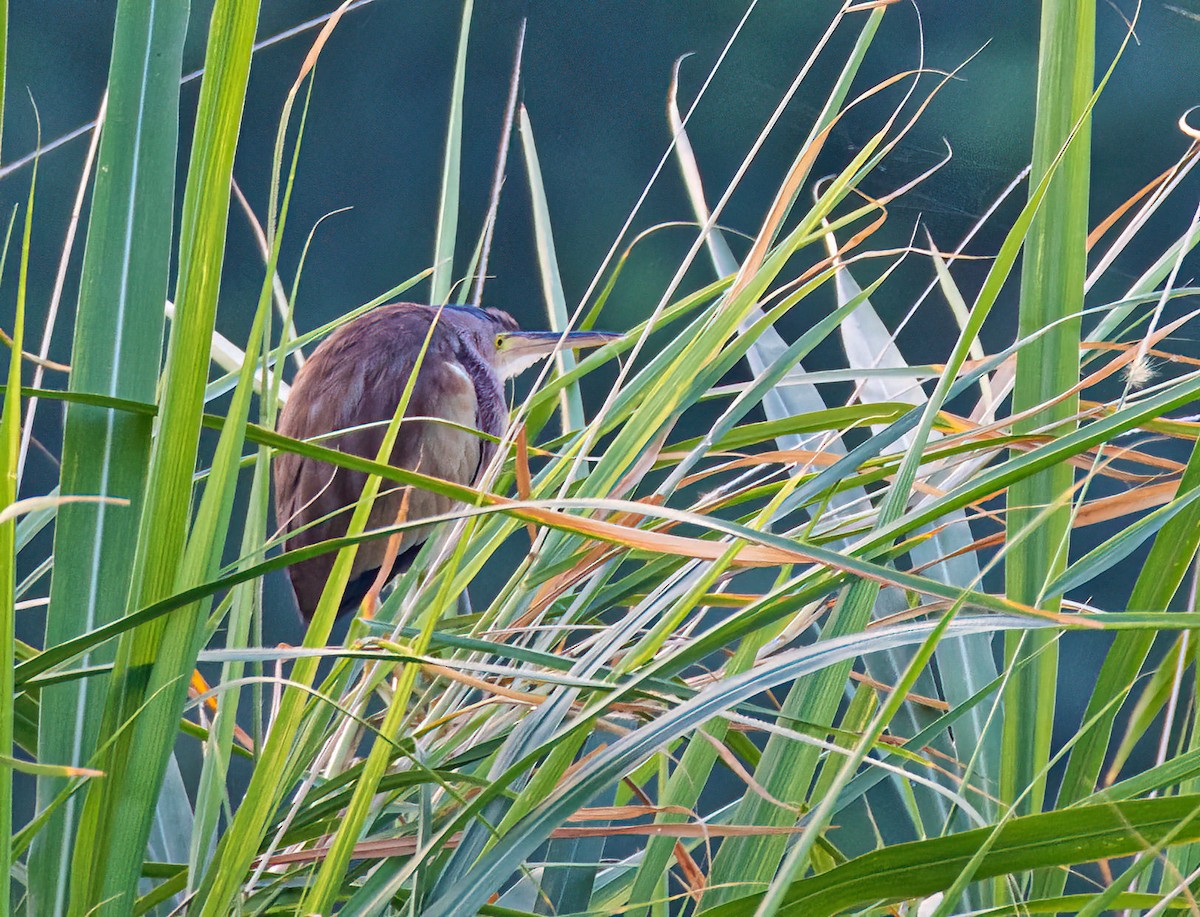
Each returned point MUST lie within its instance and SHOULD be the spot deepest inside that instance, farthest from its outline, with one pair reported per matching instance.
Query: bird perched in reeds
(353, 382)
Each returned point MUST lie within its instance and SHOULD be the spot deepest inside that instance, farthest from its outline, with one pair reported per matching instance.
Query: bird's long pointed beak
(544, 342)
(521, 349)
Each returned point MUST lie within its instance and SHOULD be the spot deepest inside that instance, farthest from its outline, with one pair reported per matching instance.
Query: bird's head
(510, 349)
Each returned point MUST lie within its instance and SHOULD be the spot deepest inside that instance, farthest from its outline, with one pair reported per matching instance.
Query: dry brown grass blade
(909, 614)
(804, 457)
(616, 813)
(969, 430)
(371, 600)
(732, 762)
(931, 702)
(1119, 362)
(33, 357)
(578, 763)
(407, 846)
(1109, 221)
(693, 875)
(489, 687)
(1166, 355)
(552, 589)
(791, 187)
(1128, 356)
(747, 555)
(801, 167)
(1131, 454)
(318, 44)
(1138, 500)
(644, 463)
(524, 478)
(1087, 461)
(837, 253)
(592, 558)
(595, 556)
(857, 239)
(198, 687)
(1188, 130)
(694, 878)
(500, 692)
(1102, 509)
(1086, 347)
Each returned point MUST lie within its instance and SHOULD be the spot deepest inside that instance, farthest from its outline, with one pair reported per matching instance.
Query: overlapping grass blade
(768, 356)
(923, 868)
(218, 493)
(492, 867)
(965, 665)
(117, 352)
(153, 662)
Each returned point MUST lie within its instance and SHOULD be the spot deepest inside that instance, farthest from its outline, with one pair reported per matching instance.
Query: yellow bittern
(354, 382)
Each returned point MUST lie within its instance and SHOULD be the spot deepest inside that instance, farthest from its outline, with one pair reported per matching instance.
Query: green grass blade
(10, 447)
(117, 352)
(1115, 549)
(965, 665)
(572, 864)
(153, 664)
(447, 219)
(683, 789)
(570, 400)
(1052, 281)
(1155, 693)
(732, 545)
(223, 480)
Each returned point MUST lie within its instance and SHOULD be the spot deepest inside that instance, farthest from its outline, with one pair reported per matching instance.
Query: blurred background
(595, 81)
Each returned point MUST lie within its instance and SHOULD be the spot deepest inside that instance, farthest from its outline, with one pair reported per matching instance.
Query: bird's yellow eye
(499, 341)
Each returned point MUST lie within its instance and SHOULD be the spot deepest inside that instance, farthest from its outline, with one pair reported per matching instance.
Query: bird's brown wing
(357, 379)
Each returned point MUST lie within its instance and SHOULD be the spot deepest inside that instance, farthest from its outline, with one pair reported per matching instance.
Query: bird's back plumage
(356, 377)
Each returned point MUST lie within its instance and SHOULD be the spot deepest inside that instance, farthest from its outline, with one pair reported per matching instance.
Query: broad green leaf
(1054, 839)
(1052, 279)
(117, 352)
(153, 663)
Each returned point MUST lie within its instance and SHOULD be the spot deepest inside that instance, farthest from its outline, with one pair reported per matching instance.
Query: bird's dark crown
(499, 316)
